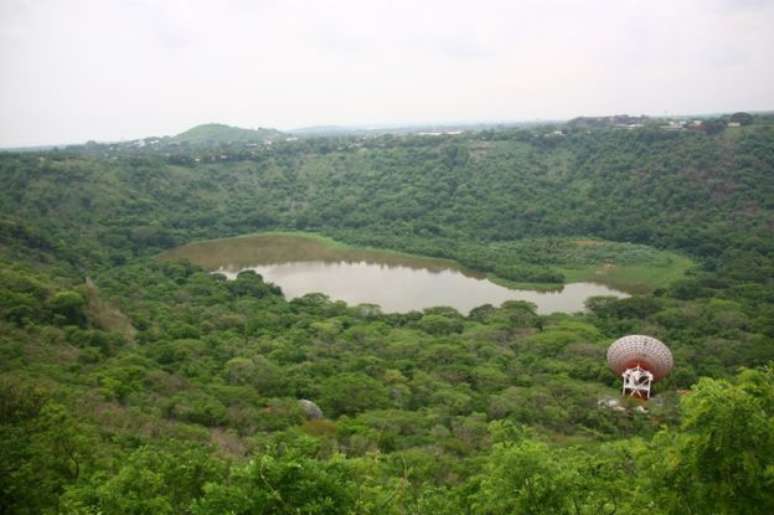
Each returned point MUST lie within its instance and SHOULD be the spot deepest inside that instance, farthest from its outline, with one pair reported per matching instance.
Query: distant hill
(215, 133)
(327, 130)
(619, 120)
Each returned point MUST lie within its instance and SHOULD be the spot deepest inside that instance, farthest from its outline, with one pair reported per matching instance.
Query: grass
(632, 278)
(282, 246)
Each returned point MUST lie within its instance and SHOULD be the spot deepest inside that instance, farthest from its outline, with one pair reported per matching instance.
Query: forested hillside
(213, 134)
(130, 385)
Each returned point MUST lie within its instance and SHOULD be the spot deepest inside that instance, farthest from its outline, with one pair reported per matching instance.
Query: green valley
(132, 381)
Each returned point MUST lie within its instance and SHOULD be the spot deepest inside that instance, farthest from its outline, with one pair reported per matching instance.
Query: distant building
(439, 133)
(674, 125)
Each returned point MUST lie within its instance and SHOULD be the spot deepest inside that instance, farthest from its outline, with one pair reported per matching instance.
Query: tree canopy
(130, 384)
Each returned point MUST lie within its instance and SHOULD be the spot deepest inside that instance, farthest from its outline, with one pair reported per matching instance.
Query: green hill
(217, 133)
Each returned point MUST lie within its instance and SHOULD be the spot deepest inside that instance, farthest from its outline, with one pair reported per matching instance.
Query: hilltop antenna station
(640, 361)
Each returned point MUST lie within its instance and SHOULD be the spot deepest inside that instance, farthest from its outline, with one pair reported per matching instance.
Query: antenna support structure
(641, 361)
(636, 382)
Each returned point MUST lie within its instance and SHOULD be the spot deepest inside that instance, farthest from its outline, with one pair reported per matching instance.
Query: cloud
(87, 69)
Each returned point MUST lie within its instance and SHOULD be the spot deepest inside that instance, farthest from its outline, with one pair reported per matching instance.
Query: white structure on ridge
(640, 361)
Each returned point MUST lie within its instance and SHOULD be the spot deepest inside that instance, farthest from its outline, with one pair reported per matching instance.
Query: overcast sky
(74, 70)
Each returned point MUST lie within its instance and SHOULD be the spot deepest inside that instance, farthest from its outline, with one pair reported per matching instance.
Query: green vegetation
(630, 267)
(134, 385)
(216, 133)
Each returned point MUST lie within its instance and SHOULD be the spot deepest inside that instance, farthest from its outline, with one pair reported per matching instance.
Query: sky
(106, 70)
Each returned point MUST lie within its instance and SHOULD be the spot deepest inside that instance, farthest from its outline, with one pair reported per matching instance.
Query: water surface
(396, 282)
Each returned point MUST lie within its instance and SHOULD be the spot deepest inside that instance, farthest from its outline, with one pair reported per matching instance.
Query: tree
(347, 394)
(286, 484)
(149, 481)
(742, 118)
(68, 305)
(721, 460)
(524, 477)
(43, 450)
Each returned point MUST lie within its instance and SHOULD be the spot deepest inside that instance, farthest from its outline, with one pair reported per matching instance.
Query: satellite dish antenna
(640, 361)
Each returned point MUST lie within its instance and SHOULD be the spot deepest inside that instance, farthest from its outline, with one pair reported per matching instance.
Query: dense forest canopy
(131, 385)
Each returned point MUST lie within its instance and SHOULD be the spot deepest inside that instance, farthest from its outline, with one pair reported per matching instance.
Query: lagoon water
(396, 282)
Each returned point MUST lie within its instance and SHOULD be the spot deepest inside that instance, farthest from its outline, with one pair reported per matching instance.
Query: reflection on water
(401, 289)
(396, 282)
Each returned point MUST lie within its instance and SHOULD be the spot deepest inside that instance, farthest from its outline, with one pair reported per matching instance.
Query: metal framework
(636, 382)
(641, 361)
